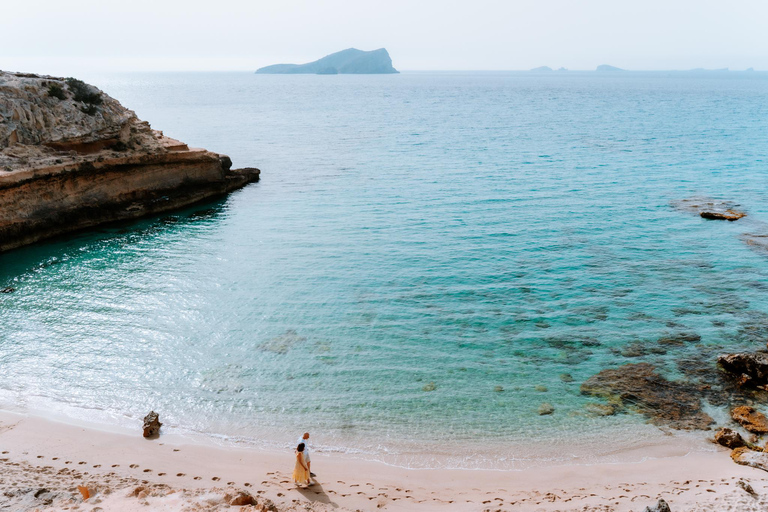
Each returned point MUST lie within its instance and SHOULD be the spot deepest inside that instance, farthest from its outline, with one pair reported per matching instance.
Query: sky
(64, 37)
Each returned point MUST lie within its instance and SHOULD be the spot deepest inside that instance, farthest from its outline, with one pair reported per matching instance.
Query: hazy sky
(63, 37)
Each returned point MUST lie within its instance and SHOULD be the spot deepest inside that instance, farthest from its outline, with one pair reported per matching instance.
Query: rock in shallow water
(750, 419)
(750, 368)
(729, 215)
(546, 409)
(665, 402)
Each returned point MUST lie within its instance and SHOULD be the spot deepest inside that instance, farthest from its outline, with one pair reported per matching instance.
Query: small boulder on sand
(661, 506)
(152, 424)
(242, 498)
(729, 438)
(747, 457)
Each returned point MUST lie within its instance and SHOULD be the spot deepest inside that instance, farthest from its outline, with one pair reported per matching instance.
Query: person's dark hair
(300, 447)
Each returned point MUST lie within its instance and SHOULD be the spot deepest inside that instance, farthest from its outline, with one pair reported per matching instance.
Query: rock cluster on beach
(72, 157)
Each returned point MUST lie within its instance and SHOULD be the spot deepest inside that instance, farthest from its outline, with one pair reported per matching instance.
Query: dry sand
(42, 463)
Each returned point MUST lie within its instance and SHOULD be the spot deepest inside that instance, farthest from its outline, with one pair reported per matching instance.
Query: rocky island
(72, 157)
(349, 61)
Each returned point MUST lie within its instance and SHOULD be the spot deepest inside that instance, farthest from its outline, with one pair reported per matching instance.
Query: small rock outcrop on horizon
(72, 157)
(542, 69)
(349, 61)
(606, 67)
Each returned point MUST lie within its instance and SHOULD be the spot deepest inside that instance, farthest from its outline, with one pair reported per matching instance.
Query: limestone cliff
(71, 157)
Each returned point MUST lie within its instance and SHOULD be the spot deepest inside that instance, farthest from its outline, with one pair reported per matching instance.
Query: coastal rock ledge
(71, 157)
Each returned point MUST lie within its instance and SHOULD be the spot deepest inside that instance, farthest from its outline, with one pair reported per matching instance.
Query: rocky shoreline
(71, 158)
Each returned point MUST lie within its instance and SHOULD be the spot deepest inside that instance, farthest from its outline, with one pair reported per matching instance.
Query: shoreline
(40, 453)
(606, 446)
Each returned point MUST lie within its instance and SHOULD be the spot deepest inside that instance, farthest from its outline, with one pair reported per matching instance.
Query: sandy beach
(43, 462)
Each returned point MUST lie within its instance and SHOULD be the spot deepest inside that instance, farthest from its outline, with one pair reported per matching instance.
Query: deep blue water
(422, 252)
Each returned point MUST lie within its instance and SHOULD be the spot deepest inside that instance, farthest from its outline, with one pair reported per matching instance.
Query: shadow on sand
(316, 494)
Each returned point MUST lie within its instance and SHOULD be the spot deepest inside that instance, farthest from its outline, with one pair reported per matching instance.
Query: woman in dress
(301, 470)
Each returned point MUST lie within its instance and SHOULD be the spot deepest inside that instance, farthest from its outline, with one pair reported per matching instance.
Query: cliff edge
(349, 61)
(72, 157)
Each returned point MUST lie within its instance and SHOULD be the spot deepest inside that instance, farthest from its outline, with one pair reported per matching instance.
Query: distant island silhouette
(349, 61)
(606, 67)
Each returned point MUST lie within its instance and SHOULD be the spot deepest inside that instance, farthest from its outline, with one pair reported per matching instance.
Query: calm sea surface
(425, 256)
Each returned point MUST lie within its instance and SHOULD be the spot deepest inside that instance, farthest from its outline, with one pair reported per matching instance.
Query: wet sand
(43, 462)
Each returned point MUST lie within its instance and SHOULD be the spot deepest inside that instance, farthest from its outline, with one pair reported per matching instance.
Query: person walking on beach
(305, 439)
(301, 469)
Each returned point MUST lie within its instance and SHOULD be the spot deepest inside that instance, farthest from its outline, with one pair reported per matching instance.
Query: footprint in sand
(147, 470)
(176, 449)
(115, 465)
(215, 479)
(161, 474)
(339, 482)
(247, 484)
(68, 462)
(97, 465)
(82, 462)
(181, 474)
(197, 478)
(39, 456)
(133, 466)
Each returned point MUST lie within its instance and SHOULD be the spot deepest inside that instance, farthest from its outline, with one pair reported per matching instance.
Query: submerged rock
(600, 409)
(729, 438)
(750, 368)
(709, 208)
(752, 420)
(665, 402)
(546, 408)
(679, 339)
(152, 424)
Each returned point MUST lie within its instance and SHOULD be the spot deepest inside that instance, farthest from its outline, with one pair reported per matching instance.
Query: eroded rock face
(750, 368)
(71, 157)
(752, 420)
(665, 402)
(44, 110)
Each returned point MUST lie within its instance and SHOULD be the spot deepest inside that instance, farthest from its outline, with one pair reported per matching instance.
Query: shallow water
(422, 252)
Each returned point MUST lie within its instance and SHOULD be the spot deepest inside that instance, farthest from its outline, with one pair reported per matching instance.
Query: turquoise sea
(425, 256)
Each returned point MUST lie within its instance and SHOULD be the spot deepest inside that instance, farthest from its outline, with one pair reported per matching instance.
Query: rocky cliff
(349, 61)
(71, 157)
